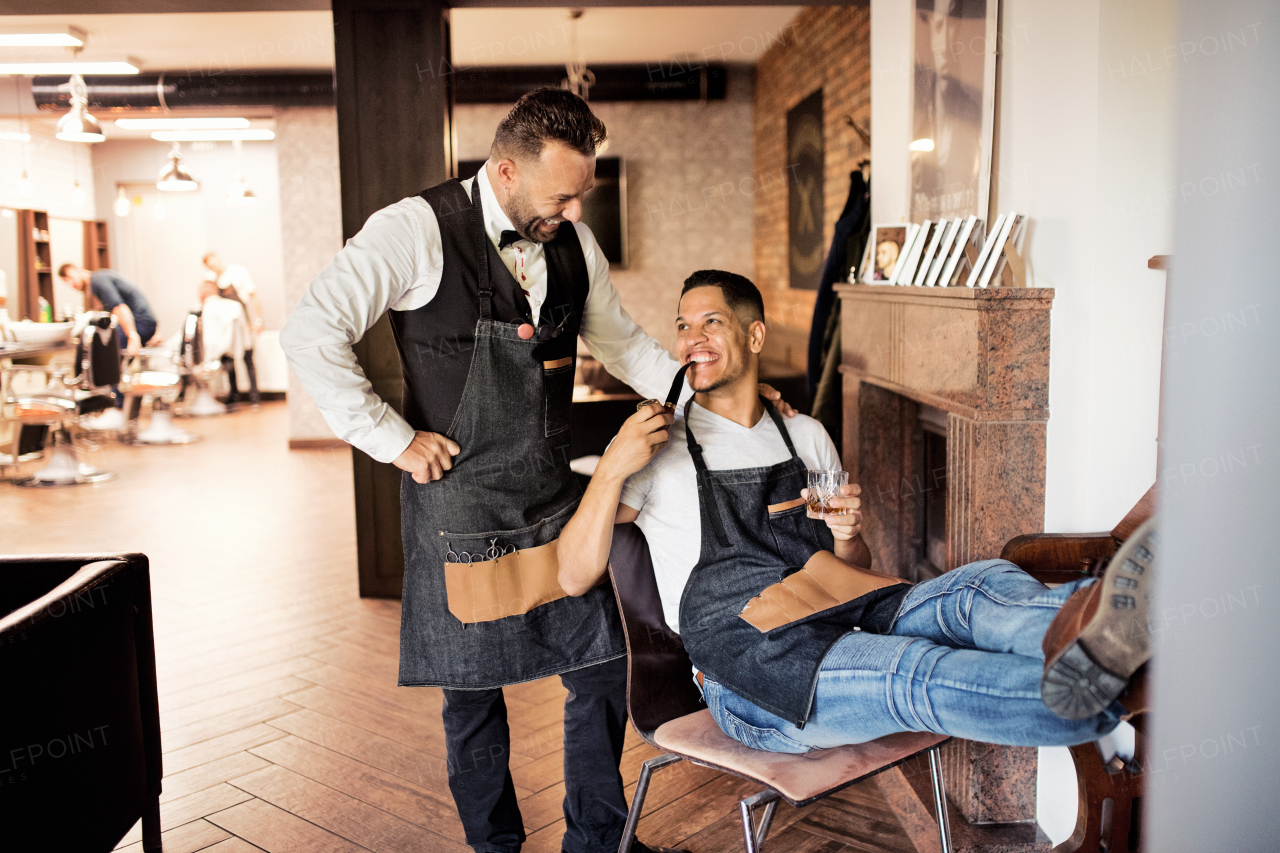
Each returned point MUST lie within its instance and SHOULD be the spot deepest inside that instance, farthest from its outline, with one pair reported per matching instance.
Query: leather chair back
(660, 683)
(98, 353)
(191, 350)
(80, 724)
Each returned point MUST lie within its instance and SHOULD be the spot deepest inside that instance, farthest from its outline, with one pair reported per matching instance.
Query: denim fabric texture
(963, 658)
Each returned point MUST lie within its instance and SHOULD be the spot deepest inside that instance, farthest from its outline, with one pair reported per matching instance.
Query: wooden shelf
(97, 252)
(35, 265)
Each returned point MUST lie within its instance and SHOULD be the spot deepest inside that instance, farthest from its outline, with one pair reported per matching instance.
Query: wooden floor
(283, 728)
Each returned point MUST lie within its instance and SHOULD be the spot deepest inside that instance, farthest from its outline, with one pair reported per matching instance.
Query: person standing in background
(234, 282)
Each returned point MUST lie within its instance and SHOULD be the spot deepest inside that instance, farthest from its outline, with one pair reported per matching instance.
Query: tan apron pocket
(825, 582)
(511, 585)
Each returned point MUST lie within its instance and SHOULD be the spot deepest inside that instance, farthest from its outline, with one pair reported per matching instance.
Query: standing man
(489, 282)
(235, 283)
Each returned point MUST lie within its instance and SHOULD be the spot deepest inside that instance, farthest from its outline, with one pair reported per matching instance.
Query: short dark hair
(62, 270)
(743, 296)
(544, 115)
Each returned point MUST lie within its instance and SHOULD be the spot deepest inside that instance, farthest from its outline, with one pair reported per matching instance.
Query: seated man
(963, 654)
(226, 331)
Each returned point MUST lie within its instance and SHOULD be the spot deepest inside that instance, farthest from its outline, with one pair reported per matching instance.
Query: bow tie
(508, 237)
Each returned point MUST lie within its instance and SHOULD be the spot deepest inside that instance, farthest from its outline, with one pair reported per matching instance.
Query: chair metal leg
(637, 801)
(752, 836)
(940, 800)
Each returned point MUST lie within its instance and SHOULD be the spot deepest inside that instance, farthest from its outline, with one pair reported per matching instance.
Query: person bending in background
(137, 324)
(235, 283)
(983, 652)
(225, 331)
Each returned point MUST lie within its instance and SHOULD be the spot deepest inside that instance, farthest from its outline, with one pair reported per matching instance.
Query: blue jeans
(963, 658)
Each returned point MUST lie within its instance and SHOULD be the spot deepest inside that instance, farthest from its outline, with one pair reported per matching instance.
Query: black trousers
(229, 365)
(479, 745)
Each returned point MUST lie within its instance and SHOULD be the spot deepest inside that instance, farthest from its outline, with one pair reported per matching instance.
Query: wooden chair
(668, 713)
(1109, 819)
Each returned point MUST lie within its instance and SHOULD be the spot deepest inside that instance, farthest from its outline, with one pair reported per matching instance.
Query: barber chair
(200, 373)
(81, 758)
(1109, 819)
(54, 397)
(669, 714)
(156, 374)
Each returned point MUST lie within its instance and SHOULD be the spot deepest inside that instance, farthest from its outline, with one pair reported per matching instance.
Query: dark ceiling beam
(141, 7)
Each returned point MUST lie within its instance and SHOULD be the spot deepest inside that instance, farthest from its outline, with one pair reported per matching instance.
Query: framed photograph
(1014, 224)
(861, 268)
(944, 252)
(953, 107)
(913, 231)
(804, 192)
(884, 250)
(970, 232)
(908, 273)
(930, 252)
(976, 273)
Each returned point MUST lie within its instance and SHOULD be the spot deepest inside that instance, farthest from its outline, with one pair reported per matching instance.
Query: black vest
(436, 340)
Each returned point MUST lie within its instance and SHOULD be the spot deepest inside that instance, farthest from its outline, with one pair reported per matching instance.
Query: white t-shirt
(666, 490)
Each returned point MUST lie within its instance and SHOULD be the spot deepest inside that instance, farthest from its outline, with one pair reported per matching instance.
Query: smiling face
(539, 194)
(714, 338)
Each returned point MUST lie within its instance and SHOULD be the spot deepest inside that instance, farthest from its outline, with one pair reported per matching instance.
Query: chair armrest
(1058, 557)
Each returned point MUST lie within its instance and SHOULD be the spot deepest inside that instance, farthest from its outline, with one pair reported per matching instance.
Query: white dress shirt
(395, 263)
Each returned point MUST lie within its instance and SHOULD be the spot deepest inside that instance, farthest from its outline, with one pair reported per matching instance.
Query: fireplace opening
(932, 507)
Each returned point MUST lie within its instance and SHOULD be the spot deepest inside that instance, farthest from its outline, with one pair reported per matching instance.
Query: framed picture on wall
(953, 107)
(884, 250)
(805, 175)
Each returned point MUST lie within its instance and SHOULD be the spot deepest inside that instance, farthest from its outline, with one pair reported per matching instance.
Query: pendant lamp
(122, 203)
(238, 192)
(78, 125)
(173, 178)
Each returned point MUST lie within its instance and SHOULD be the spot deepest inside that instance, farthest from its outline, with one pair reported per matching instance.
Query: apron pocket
(557, 384)
(511, 585)
(796, 536)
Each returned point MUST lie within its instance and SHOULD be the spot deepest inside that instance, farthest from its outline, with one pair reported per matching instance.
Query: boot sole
(1094, 669)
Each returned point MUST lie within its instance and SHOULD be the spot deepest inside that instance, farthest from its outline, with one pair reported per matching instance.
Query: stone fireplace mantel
(946, 400)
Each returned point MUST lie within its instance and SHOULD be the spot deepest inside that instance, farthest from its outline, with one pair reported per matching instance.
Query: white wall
(243, 234)
(1085, 148)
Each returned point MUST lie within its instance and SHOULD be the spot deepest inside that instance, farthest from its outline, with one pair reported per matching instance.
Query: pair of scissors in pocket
(493, 552)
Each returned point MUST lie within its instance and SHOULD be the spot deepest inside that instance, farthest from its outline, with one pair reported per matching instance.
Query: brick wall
(827, 47)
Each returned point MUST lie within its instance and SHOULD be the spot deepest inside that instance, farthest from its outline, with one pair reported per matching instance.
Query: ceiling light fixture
(14, 136)
(579, 79)
(173, 178)
(122, 203)
(251, 135)
(238, 192)
(25, 189)
(921, 145)
(181, 123)
(49, 36)
(127, 65)
(78, 125)
(77, 195)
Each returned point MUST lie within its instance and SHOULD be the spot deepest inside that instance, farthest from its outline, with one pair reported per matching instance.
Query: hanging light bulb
(578, 78)
(159, 210)
(77, 195)
(24, 185)
(78, 125)
(172, 177)
(239, 193)
(122, 203)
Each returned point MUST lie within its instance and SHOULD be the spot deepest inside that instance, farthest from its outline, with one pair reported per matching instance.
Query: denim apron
(745, 549)
(510, 488)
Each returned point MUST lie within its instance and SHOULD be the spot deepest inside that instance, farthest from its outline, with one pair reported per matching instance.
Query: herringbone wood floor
(283, 728)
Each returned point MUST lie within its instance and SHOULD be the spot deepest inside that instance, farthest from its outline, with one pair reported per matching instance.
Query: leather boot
(1100, 638)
